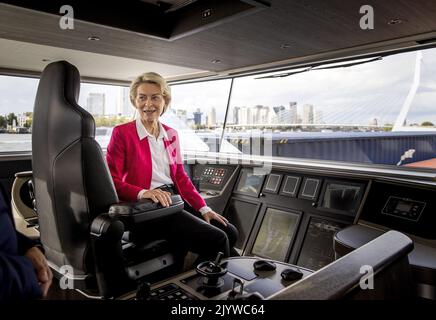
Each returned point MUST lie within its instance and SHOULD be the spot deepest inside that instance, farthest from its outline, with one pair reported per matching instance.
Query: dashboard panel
(401, 207)
(276, 214)
(292, 215)
(213, 177)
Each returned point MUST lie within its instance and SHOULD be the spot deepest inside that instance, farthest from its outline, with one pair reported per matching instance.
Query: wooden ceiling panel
(307, 27)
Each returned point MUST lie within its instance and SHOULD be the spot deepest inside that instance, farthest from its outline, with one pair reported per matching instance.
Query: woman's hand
(158, 195)
(212, 215)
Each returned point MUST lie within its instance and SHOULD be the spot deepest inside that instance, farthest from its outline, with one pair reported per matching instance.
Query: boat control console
(239, 278)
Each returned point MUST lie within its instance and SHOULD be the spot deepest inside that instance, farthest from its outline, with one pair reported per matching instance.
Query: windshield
(375, 111)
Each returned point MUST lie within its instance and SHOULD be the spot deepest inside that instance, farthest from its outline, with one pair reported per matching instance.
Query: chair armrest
(106, 233)
(145, 210)
(24, 174)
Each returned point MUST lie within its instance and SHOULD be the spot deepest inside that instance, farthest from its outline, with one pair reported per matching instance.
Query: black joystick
(212, 271)
(143, 292)
(238, 293)
(264, 265)
(291, 274)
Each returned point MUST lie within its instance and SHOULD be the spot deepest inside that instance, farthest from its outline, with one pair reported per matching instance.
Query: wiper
(320, 67)
(286, 74)
(346, 65)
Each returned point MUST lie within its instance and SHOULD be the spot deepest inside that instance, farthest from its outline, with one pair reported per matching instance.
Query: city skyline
(334, 93)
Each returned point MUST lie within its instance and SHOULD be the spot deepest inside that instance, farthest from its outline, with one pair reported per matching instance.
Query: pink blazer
(129, 161)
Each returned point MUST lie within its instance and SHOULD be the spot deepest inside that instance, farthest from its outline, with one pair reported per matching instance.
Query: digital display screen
(317, 250)
(272, 184)
(275, 234)
(341, 197)
(290, 185)
(250, 183)
(404, 206)
(242, 214)
(309, 189)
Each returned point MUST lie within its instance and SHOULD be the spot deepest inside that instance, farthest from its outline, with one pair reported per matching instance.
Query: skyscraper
(261, 114)
(307, 114)
(124, 106)
(257, 114)
(286, 115)
(245, 116)
(211, 117)
(95, 103)
(236, 115)
(197, 117)
(373, 122)
(293, 115)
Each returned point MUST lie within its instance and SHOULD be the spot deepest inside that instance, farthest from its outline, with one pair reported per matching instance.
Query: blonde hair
(155, 78)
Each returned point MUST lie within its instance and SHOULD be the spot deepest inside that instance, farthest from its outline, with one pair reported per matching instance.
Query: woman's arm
(187, 190)
(189, 193)
(116, 160)
(185, 186)
(194, 199)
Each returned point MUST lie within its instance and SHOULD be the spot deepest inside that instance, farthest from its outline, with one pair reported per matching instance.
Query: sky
(345, 95)
(349, 95)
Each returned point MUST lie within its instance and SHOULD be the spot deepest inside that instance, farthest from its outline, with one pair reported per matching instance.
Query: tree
(28, 123)
(11, 117)
(427, 124)
(109, 121)
(3, 122)
(387, 127)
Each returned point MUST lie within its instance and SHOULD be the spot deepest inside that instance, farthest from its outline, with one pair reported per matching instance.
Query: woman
(145, 162)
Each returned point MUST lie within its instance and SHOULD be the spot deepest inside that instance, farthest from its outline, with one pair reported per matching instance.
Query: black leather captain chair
(81, 223)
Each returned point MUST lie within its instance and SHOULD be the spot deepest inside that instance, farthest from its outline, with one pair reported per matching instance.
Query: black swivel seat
(81, 222)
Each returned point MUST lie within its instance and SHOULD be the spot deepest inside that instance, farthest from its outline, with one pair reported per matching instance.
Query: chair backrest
(71, 178)
(378, 270)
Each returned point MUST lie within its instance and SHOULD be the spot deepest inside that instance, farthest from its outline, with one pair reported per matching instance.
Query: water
(11, 142)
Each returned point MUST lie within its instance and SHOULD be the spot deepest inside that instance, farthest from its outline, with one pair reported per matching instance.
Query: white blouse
(159, 158)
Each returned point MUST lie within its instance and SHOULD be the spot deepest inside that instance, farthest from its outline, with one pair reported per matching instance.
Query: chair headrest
(62, 73)
(56, 112)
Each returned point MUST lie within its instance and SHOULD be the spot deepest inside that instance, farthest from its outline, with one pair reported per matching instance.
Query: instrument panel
(212, 177)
